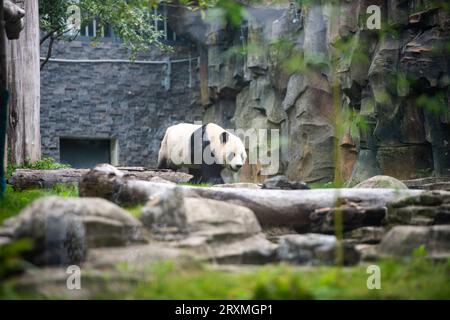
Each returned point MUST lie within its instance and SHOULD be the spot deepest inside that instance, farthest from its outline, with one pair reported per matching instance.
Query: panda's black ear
(224, 137)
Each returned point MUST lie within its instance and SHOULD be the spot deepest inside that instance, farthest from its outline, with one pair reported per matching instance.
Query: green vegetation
(193, 184)
(47, 163)
(417, 278)
(11, 261)
(135, 211)
(14, 201)
(324, 185)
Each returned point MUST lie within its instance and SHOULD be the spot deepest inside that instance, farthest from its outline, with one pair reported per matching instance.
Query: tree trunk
(273, 208)
(24, 138)
(3, 158)
(29, 179)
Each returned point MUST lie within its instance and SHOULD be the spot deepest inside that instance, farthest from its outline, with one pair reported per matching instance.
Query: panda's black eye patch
(231, 156)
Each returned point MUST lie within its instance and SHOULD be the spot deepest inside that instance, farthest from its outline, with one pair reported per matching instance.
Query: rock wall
(344, 97)
(127, 102)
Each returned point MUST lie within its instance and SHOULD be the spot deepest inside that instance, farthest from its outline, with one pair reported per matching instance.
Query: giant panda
(204, 149)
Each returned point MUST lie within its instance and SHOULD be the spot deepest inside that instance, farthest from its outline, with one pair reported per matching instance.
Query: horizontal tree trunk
(28, 178)
(278, 208)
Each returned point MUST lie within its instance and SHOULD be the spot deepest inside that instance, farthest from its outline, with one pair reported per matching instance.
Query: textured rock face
(313, 249)
(401, 241)
(165, 212)
(63, 229)
(215, 230)
(394, 87)
(432, 207)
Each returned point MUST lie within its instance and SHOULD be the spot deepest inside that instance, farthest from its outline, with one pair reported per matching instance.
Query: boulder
(213, 230)
(367, 235)
(252, 250)
(165, 213)
(217, 220)
(63, 229)
(197, 221)
(382, 182)
(353, 217)
(367, 252)
(431, 207)
(137, 256)
(283, 183)
(401, 241)
(313, 249)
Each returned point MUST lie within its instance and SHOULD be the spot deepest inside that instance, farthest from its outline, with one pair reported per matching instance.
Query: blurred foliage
(135, 211)
(414, 278)
(435, 104)
(14, 201)
(11, 262)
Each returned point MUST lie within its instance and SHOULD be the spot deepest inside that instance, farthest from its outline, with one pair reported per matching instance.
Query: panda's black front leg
(211, 174)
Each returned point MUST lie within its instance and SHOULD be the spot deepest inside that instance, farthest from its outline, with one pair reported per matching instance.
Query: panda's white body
(177, 149)
(176, 145)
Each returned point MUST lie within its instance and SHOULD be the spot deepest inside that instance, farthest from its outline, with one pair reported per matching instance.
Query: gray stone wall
(122, 101)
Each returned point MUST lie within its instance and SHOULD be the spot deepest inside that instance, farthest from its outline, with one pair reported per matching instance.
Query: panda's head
(228, 148)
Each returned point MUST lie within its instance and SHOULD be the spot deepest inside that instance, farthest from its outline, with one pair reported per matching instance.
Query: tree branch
(49, 52)
(48, 35)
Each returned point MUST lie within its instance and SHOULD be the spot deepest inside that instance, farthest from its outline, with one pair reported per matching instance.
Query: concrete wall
(126, 102)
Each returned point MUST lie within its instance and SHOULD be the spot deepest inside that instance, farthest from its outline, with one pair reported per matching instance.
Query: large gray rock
(313, 249)
(431, 207)
(382, 182)
(219, 221)
(353, 217)
(137, 257)
(401, 241)
(63, 229)
(255, 249)
(165, 213)
(366, 235)
(205, 220)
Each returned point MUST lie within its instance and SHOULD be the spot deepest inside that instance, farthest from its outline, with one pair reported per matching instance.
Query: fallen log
(29, 179)
(280, 208)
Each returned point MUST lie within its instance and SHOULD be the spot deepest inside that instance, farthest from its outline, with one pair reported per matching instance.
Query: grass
(324, 185)
(193, 184)
(15, 200)
(47, 163)
(417, 278)
(135, 210)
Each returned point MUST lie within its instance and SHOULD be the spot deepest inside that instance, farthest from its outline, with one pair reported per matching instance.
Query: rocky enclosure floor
(278, 236)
